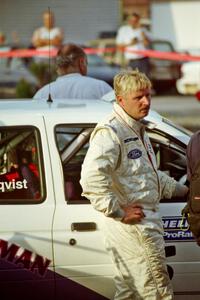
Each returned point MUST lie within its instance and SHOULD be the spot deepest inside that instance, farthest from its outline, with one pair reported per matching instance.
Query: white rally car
(51, 244)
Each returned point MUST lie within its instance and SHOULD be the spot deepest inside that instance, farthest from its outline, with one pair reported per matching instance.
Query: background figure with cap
(133, 37)
(72, 81)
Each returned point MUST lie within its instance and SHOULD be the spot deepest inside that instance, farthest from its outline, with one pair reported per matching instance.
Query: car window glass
(20, 165)
(73, 143)
(170, 158)
(161, 46)
(65, 135)
(95, 60)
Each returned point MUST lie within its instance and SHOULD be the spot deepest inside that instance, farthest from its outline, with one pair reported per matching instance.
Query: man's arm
(170, 187)
(99, 165)
(37, 41)
(145, 39)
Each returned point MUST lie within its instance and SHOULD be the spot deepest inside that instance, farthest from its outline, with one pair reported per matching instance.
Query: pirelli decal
(176, 229)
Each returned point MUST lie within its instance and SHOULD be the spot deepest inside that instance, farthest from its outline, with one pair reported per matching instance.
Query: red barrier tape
(150, 53)
(28, 53)
(168, 55)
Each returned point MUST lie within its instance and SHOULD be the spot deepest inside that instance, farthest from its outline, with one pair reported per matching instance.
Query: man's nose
(146, 100)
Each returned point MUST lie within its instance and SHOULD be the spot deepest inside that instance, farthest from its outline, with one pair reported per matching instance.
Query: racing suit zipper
(140, 137)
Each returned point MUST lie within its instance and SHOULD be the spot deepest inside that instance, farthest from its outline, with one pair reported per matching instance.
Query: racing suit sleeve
(96, 176)
(167, 185)
(170, 187)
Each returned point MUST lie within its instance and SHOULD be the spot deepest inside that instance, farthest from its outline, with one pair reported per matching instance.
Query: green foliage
(43, 72)
(24, 89)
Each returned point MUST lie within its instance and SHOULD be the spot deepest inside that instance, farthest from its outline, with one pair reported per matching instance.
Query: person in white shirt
(133, 37)
(72, 82)
(47, 35)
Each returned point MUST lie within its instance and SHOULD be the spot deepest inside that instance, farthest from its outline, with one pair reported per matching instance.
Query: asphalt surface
(184, 110)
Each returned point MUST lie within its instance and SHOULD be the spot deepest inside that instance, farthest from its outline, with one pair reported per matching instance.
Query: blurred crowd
(131, 36)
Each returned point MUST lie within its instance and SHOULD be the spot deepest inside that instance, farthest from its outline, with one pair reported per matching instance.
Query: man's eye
(141, 97)
(137, 98)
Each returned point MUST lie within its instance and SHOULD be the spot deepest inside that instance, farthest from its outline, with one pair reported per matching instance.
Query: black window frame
(72, 125)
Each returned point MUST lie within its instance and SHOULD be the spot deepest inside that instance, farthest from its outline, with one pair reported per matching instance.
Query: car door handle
(83, 226)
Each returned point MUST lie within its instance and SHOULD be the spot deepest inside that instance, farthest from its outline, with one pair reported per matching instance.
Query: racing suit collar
(120, 113)
(70, 75)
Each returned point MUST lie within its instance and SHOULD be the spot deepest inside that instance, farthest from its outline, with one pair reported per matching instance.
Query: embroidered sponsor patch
(133, 139)
(134, 154)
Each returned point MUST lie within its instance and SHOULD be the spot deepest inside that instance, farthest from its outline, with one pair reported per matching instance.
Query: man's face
(136, 104)
(48, 20)
(134, 21)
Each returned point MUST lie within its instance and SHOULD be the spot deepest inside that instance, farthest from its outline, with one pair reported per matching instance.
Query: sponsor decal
(13, 185)
(176, 229)
(132, 139)
(134, 154)
(149, 148)
(24, 258)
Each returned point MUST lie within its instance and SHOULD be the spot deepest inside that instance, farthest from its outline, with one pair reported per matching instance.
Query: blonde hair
(130, 81)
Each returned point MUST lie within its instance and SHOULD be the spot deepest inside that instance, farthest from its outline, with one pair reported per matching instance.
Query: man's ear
(120, 100)
(82, 66)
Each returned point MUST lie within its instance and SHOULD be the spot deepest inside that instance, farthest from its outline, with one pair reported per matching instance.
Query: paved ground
(184, 110)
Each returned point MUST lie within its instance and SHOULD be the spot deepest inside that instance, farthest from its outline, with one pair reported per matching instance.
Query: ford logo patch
(135, 153)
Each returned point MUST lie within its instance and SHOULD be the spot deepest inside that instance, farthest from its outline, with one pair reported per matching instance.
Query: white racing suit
(120, 168)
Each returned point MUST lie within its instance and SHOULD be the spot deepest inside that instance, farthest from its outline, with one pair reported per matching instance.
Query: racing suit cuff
(118, 215)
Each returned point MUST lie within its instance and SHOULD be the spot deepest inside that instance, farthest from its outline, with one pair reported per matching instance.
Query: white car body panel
(79, 263)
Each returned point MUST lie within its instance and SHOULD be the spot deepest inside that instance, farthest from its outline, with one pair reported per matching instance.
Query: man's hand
(133, 213)
(134, 41)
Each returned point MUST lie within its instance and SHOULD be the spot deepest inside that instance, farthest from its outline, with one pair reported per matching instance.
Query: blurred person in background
(4, 61)
(48, 34)
(2, 39)
(72, 81)
(134, 36)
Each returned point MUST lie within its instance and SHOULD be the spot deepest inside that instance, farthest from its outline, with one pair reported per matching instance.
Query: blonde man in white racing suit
(120, 177)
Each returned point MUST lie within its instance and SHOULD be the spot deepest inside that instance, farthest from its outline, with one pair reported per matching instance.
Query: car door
(26, 209)
(81, 262)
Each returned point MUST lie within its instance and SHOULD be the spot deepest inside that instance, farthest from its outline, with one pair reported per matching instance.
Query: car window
(65, 136)
(171, 159)
(21, 168)
(162, 46)
(73, 143)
